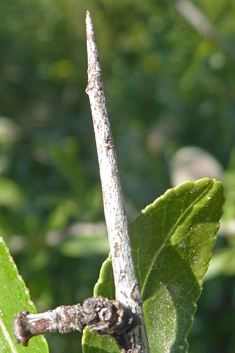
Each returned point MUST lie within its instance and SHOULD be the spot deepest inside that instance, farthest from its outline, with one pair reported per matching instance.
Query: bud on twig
(107, 317)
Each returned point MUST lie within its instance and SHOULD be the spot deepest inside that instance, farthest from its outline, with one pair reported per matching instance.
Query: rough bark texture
(126, 283)
(107, 317)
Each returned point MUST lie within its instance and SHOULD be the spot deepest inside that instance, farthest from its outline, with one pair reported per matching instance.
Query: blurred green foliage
(166, 86)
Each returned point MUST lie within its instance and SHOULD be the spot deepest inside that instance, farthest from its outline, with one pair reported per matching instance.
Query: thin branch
(126, 283)
(195, 16)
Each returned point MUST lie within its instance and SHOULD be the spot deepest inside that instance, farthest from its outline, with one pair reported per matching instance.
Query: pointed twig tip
(89, 24)
(88, 17)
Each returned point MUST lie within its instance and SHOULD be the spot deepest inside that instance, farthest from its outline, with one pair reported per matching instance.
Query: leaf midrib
(7, 336)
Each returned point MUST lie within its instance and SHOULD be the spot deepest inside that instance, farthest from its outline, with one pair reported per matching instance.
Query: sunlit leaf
(105, 284)
(172, 240)
(14, 298)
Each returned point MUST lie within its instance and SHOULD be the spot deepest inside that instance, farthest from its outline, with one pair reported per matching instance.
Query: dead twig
(126, 283)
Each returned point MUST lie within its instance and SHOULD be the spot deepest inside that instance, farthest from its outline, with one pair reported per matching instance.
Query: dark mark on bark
(116, 250)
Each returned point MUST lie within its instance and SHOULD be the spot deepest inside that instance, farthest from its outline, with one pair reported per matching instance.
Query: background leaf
(14, 298)
(172, 240)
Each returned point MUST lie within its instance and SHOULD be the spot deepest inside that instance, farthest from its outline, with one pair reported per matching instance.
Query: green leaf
(171, 265)
(105, 284)
(83, 245)
(14, 298)
(93, 342)
(172, 240)
(11, 195)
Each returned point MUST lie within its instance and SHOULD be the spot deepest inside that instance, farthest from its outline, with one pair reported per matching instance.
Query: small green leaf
(14, 298)
(93, 342)
(105, 284)
(172, 240)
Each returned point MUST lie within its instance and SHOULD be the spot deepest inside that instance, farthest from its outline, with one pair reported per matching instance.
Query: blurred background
(169, 76)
